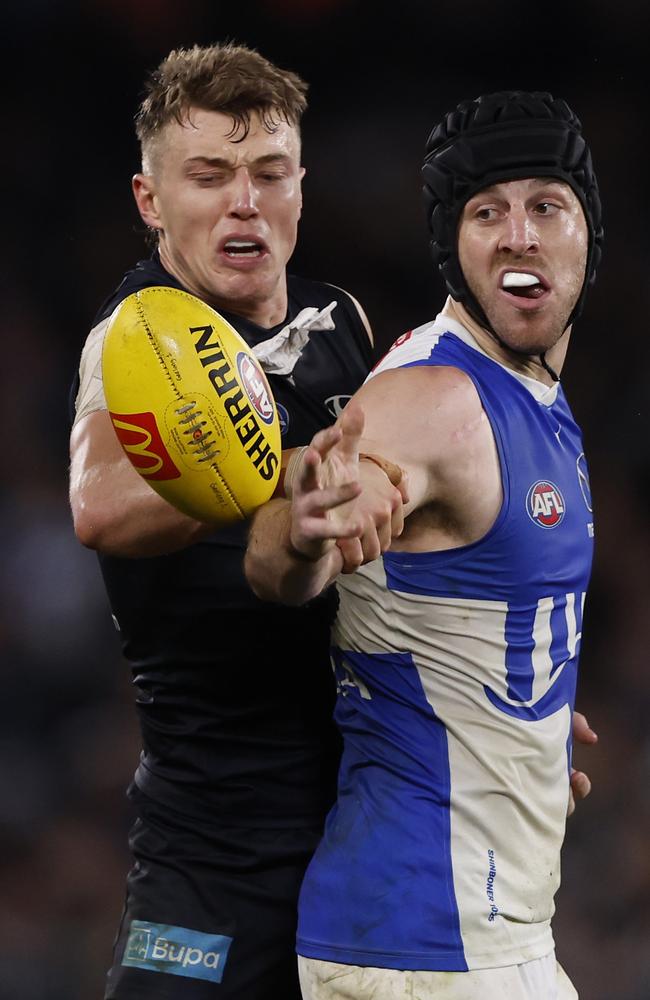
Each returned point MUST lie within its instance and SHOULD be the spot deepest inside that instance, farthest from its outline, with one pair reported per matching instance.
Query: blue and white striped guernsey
(456, 679)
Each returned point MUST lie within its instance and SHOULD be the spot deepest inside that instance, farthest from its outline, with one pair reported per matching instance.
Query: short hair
(232, 79)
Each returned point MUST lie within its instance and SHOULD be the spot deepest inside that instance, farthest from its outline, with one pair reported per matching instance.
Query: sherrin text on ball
(191, 405)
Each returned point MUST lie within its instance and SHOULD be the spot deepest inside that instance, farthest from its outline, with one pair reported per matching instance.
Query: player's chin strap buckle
(280, 354)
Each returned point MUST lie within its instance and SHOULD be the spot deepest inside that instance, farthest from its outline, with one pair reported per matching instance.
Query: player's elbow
(270, 582)
(94, 522)
(90, 527)
(266, 586)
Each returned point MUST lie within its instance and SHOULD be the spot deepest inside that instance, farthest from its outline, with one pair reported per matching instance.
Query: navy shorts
(210, 912)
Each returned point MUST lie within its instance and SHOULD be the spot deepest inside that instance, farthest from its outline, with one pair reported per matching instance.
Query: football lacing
(200, 438)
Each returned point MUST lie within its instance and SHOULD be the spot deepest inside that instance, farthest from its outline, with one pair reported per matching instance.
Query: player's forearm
(122, 516)
(275, 570)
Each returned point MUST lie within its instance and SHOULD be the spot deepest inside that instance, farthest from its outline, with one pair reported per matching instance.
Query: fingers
(582, 732)
(397, 516)
(350, 423)
(312, 532)
(580, 784)
(579, 788)
(403, 487)
(353, 554)
(381, 510)
(346, 433)
(317, 530)
(379, 525)
(327, 481)
(325, 440)
(365, 547)
(315, 503)
(571, 807)
(308, 478)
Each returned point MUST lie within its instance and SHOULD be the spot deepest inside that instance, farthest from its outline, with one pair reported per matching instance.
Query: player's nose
(519, 234)
(244, 195)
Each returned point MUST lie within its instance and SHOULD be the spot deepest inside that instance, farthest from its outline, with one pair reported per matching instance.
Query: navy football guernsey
(234, 695)
(456, 677)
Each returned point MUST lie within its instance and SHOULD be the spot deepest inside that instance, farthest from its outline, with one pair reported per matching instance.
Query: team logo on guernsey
(545, 504)
(283, 417)
(256, 388)
(336, 404)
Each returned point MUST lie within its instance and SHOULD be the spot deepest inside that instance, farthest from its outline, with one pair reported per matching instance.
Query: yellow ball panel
(191, 405)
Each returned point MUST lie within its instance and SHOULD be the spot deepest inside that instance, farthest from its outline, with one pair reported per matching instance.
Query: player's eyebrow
(492, 191)
(222, 163)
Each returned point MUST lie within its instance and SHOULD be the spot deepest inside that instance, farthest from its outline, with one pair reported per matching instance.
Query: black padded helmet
(505, 136)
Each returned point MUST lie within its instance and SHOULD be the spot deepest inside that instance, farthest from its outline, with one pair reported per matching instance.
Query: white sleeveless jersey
(456, 679)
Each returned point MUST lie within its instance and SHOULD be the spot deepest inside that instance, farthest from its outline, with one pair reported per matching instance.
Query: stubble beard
(529, 342)
(519, 333)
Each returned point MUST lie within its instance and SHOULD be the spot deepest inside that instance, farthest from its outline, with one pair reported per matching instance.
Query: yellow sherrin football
(190, 405)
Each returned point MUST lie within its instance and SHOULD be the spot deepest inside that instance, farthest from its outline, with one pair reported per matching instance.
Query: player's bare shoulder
(427, 412)
(439, 430)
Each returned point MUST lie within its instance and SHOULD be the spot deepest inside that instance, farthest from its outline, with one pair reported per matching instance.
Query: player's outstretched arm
(429, 424)
(343, 513)
(292, 553)
(114, 510)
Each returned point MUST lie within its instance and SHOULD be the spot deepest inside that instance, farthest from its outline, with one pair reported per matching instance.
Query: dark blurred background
(380, 77)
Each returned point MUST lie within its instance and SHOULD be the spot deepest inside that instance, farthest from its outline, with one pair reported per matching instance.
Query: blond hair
(232, 79)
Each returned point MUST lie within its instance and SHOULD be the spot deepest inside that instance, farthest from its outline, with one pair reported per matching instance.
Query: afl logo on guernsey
(545, 504)
(254, 383)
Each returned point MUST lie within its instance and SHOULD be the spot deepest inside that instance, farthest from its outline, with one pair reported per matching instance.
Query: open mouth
(242, 249)
(523, 284)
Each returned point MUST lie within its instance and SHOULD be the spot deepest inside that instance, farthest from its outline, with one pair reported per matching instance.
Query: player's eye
(205, 180)
(546, 208)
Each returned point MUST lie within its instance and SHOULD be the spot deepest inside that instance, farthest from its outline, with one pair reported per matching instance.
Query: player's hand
(325, 484)
(580, 785)
(380, 508)
(329, 505)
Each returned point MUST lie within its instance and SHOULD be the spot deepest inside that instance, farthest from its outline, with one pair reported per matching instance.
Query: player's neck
(523, 364)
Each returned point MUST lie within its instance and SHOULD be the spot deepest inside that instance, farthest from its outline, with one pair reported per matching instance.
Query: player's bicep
(114, 509)
(94, 448)
(99, 470)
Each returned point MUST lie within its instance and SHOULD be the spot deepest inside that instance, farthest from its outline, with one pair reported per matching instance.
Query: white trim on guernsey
(90, 396)
(423, 340)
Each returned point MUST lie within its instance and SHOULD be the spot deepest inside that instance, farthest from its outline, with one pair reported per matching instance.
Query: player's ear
(301, 174)
(144, 192)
